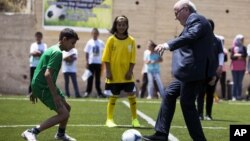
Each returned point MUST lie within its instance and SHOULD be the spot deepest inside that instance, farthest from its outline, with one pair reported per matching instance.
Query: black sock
(61, 131)
(35, 130)
(160, 133)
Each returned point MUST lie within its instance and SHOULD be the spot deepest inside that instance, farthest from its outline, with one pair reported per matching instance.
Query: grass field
(88, 117)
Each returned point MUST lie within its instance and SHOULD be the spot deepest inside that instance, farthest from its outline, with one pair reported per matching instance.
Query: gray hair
(191, 6)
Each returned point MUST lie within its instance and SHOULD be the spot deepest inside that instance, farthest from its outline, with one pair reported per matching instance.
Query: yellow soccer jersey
(119, 53)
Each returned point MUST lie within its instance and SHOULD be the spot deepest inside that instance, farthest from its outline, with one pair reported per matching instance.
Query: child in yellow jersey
(119, 58)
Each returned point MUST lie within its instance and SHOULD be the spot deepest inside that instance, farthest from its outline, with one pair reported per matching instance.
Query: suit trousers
(187, 92)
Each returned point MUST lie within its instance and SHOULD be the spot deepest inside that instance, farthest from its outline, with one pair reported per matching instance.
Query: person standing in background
(238, 65)
(153, 60)
(69, 70)
(93, 52)
(210, 84)
(248, 71)
(223, 76)
(36, 50)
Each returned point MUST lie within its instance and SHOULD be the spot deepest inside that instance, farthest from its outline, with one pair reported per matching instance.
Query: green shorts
(46, 97)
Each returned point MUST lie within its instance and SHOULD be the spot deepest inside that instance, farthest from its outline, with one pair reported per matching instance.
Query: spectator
(36, 50)
(224, 70)
(93, 52)
(153, 68)
(69, 70)
(238, 65)
(248, 70)
(211, 82)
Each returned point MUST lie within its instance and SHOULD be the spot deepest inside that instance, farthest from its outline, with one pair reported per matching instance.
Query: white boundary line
(106, 100)
(150, 121)
(213, 128)
(91, 125)
(70, 125)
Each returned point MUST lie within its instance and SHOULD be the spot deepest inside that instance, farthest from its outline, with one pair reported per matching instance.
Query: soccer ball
(131, 135)
(55, 13)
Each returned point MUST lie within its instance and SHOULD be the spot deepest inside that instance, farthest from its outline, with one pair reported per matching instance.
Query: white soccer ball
(131, 135)
(55, 13)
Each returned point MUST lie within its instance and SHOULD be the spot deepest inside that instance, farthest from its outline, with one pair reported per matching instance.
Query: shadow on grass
(129, 127)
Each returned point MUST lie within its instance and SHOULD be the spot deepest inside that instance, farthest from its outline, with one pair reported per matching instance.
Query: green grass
(91, 115)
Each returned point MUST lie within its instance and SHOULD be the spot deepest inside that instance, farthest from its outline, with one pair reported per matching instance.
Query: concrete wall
(150, 19)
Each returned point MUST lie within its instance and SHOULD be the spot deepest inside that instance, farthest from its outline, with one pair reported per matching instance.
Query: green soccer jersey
(51, 58)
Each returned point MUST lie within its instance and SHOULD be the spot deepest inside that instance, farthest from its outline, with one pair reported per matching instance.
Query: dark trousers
(208, 90)
(237, 86)
(187, 92)
(67, 75)
(145, 84)
(32, 70)
(96, 72)
(223, 84)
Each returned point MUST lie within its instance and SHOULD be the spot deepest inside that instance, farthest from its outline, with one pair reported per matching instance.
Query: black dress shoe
(156, 137)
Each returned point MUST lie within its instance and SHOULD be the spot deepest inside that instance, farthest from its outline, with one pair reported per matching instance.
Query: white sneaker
(208, 118)
(149, 97)
(64, 138)
(28, 135)
(233, 99)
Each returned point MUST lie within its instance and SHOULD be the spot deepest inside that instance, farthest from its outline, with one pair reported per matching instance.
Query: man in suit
(190, 64)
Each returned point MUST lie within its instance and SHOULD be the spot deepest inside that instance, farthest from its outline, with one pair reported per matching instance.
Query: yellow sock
(132, 101)
(111, 106)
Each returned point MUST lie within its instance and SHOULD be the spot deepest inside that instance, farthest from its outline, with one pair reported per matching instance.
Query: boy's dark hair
(95, 30)
(38, 33)
(152, 43)
(211, 22)
(69, 34)
(113, 29)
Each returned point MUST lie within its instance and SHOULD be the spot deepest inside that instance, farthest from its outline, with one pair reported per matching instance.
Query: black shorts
(116, 88)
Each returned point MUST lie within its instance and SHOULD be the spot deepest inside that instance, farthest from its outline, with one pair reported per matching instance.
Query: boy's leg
(61, 135)
(75, 85)
(61, 118)
(89, 81)
(98, 79)
(66, 79)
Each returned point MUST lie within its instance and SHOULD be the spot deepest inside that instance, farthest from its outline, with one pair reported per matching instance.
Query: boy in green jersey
(44, 87)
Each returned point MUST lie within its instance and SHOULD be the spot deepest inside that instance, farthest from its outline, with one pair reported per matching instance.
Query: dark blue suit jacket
(192, 56)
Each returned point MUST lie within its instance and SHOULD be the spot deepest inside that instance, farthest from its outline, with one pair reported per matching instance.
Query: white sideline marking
(71, 125)
(91, 125)
(150, 121)
(213, 128)
(106, 100)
